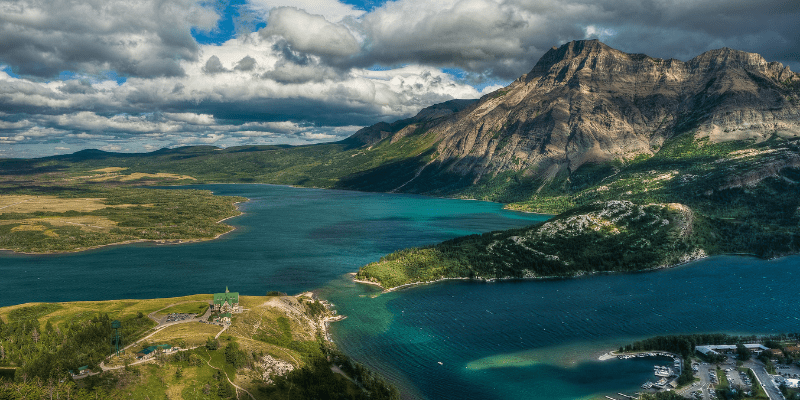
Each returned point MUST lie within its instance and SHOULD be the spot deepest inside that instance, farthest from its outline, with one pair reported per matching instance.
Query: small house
(224, 318)
(147, 352)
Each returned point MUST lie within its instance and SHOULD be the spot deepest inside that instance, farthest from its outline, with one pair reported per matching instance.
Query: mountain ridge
(585, 102)
(718, 134)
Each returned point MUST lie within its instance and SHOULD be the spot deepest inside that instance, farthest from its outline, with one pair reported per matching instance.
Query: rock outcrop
(585, 102)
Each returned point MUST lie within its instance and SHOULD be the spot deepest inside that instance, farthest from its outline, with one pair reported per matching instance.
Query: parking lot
(738, 379)
(704, 388)
(790, 371)
(178, 317)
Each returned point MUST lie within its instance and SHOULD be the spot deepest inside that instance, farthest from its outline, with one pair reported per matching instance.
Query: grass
(58, 313)
(24, 204)
(613, 236)
(77, 218)
(198, 308)
(723, 380)
(193, 333)
(187, 374)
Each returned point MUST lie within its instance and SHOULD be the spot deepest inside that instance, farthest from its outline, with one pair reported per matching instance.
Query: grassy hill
(603, 236)
(273, 350)
(70, 217)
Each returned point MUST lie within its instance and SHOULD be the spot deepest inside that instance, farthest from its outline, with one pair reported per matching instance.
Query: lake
(505, 340)
(541, 339)
(289, 239)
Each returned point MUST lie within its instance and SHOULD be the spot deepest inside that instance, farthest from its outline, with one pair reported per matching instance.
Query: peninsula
(190, 347)
(611, 236)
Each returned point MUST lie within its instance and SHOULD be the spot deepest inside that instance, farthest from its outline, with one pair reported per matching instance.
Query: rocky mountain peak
(727, 58)
(587, 103)
(576, 49)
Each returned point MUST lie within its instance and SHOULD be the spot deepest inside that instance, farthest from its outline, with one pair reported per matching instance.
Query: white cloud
(490, 89)
(332, 10)
(310, 33)
(254, 133)
(599, 32)
(307, 76)
(111, 147)
(318, 137)
(192, 118)
(140, 38)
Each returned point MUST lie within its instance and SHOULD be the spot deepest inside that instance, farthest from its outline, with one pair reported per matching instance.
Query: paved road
(765, 380)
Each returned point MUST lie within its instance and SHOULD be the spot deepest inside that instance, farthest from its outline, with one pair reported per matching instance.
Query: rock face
(272, 367)
(585, 102)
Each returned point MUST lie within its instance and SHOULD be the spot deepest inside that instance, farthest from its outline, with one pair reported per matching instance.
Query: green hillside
(604, 236)
(745, 191)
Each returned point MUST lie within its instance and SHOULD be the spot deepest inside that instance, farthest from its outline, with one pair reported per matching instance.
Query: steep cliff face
(585, 102)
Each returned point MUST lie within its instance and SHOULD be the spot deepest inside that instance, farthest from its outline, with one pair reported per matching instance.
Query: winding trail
(229, 379)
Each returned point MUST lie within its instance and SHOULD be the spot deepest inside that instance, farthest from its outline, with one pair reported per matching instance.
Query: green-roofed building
(150, 349)
(226, 302)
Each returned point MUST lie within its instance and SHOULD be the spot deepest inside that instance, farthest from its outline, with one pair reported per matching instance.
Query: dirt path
(224, 328)
(229, 379)
(13, 204)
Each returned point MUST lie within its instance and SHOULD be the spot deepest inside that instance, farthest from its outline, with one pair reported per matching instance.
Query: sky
(137, 76)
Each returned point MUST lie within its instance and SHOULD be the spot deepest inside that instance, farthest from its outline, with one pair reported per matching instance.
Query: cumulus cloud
(139, 38)
(502, 39)
(245, 64)
(505, 38)
(331, 10)
(320, 69)
(310, 33)
(213, 66)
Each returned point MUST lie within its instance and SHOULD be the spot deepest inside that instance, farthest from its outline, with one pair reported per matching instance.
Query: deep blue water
(505, 340)
(541, 339)
(289, 239)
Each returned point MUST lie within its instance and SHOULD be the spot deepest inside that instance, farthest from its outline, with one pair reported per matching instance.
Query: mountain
(586, 103)
(718, 134)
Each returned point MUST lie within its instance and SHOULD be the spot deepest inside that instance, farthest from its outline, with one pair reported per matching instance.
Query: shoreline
(508, 278)
(133, 241)
(196, 240)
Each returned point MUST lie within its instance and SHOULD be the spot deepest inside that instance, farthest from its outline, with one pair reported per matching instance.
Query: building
(226, 302)
(147, 352)
(776, 352)
(729, 348)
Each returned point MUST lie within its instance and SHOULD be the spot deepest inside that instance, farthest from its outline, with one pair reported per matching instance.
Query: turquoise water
(289, 239)
(505, 340)
(541, 339)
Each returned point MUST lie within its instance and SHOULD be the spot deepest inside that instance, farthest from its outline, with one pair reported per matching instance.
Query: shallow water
(541, 339)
